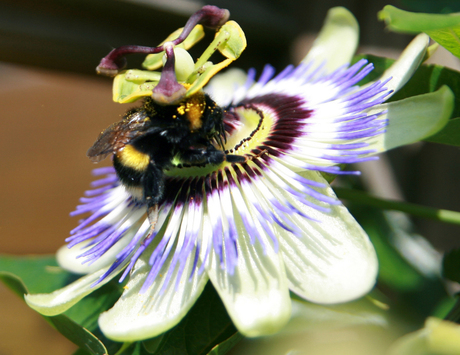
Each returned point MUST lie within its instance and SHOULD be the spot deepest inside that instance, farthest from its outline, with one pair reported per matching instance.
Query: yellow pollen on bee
(194, 109)
(132, 158)
(181, 109)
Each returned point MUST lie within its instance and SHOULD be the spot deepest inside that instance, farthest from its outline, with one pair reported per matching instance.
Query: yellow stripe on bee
(132, 158)
(193, 109)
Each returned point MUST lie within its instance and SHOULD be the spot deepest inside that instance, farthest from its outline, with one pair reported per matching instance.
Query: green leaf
(86, 312)
(394, 271)
(412, 22)
(451, 265)
(67, 327)
(441, 6)
(206, 325)
(13, 283)
(450, 134)
(41, 274)
(413, 209)
(226, 345)
(444, 29)
(151, 345)
(418, 294)
(380, 65)
(427, 78)
(78, 335)
(444, 308)
(206, 328)
(132, 349)
(414, 118)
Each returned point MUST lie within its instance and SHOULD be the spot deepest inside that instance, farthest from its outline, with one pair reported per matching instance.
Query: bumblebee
(148, 138)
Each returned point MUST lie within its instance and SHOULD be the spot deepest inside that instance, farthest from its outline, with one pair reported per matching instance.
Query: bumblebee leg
(153, 183)
(213, 155)
(152, 215)
(209, 155)
(232, 158)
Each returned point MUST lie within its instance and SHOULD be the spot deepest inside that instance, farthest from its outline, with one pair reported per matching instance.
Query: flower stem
(123, 348)
(454, 314)
(445, 216)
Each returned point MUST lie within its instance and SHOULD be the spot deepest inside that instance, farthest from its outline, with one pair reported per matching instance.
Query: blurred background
(53, 107)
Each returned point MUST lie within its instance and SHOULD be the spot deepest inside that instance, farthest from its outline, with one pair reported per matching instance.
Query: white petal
(334, 260)
(256, 295)
(222, 86)
(337, 41)
(408, 62)
(51, 304)
(67, 257)
(414, 118)
(138, 316)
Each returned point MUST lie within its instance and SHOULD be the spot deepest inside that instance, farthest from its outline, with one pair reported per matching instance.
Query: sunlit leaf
(206, 328)
(427, 78)
(450, 134)
(66, 326)
(444, 29)
(40, 274)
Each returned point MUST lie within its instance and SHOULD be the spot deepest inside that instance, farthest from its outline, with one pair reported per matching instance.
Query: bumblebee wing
(115, 137)
(105, 143)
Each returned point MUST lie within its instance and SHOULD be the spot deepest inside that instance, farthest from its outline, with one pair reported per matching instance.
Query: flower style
(260, 227)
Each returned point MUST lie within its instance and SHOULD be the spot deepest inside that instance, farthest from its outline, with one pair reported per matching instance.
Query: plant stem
(441, 215)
